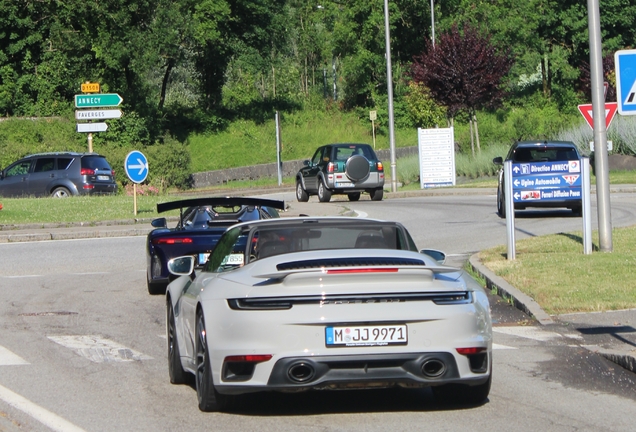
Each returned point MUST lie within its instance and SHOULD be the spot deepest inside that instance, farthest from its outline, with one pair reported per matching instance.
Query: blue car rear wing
(220, 201)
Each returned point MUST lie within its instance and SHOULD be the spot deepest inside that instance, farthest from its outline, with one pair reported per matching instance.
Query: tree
(609, 76)
(422, 109)
(464, 72)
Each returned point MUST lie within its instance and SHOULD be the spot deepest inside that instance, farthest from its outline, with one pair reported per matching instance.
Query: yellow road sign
(89, 87)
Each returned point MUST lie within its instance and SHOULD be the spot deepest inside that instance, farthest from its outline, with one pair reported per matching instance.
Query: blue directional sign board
(546, 181)
(625, 61)
(136, 166)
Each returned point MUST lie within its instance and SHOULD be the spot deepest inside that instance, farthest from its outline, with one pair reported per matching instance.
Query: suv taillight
(87, 171)
(379, 166)
(330, 167)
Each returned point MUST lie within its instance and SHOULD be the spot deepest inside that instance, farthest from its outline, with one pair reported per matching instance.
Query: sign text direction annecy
(546, 181)
(98, 100)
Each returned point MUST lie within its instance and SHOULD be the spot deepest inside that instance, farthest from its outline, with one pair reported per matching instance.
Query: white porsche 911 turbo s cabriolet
(326, 303)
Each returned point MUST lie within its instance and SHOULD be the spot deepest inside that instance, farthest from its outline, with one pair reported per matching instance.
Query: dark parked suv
(537, 151)
(58, 175)
(346, 168)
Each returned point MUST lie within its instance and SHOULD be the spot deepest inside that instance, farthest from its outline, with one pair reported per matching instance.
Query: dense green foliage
(210, 74)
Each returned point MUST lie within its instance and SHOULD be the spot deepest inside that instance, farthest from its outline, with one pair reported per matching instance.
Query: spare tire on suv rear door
(357, 168)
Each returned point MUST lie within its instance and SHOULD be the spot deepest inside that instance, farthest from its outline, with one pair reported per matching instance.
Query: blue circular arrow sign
(136, 166)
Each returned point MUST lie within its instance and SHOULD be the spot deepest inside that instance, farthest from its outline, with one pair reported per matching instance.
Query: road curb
(520, 300)
(526, 304)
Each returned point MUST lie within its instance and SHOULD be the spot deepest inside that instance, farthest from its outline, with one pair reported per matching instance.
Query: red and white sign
(610, 112)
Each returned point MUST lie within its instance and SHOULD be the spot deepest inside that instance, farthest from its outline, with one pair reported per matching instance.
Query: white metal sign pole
(373, 132)
(278, 150)
(510, 210)
(90, 143)
(135, 198)
(587, 211)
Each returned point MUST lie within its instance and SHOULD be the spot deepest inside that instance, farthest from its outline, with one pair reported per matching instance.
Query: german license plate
(375, 335)
(103, 177)
(344, 184)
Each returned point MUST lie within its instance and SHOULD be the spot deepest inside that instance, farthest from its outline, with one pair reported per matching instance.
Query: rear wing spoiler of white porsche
(220, 201)
(355, 265)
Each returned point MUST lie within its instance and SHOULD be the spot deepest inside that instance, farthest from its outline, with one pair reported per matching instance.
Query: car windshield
(238, 247)
(269, 241)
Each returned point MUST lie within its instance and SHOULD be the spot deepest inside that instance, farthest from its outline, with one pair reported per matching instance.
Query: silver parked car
(300, 304)
(58, 175)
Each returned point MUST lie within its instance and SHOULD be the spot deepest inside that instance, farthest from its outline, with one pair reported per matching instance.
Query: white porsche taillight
(471, 350)
(250, 358)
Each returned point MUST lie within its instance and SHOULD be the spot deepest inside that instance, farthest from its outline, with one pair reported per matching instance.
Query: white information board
(437, 157)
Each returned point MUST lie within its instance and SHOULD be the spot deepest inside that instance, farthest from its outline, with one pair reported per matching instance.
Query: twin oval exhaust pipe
(301, 372)
(304, 372)
(433, 368)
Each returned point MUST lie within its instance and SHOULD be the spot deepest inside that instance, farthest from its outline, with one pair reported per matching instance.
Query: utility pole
(389, 85)
(433, 22)
(600, 130)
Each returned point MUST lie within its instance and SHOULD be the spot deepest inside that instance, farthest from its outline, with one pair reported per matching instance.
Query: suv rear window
(95, 163)
(544, 154)
(344, 153)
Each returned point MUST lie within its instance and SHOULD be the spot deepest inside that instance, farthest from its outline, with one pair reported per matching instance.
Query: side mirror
(306, 163)
(159, 223)
(181, 266)
(498, 160)
(438, 256)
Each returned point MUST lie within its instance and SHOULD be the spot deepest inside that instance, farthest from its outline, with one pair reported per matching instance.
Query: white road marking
(502, 347)
(534, 333)
(98, 349)
(7, 358)
(89, 273)
(69, 274)
(47, 418)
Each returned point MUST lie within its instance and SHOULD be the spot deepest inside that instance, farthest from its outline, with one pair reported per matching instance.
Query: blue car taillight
(171, 240)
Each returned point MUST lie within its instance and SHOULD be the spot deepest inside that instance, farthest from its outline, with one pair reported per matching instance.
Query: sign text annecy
(98, 100)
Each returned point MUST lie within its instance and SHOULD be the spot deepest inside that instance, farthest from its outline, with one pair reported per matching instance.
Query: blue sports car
(201, 223)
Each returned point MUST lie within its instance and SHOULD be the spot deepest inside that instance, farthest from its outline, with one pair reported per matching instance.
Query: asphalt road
(82, 346)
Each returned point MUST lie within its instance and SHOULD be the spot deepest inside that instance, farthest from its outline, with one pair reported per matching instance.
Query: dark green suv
(344, 168)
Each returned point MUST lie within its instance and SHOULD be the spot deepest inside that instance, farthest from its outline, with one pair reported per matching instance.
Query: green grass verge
(78, 209)
(554, 271)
